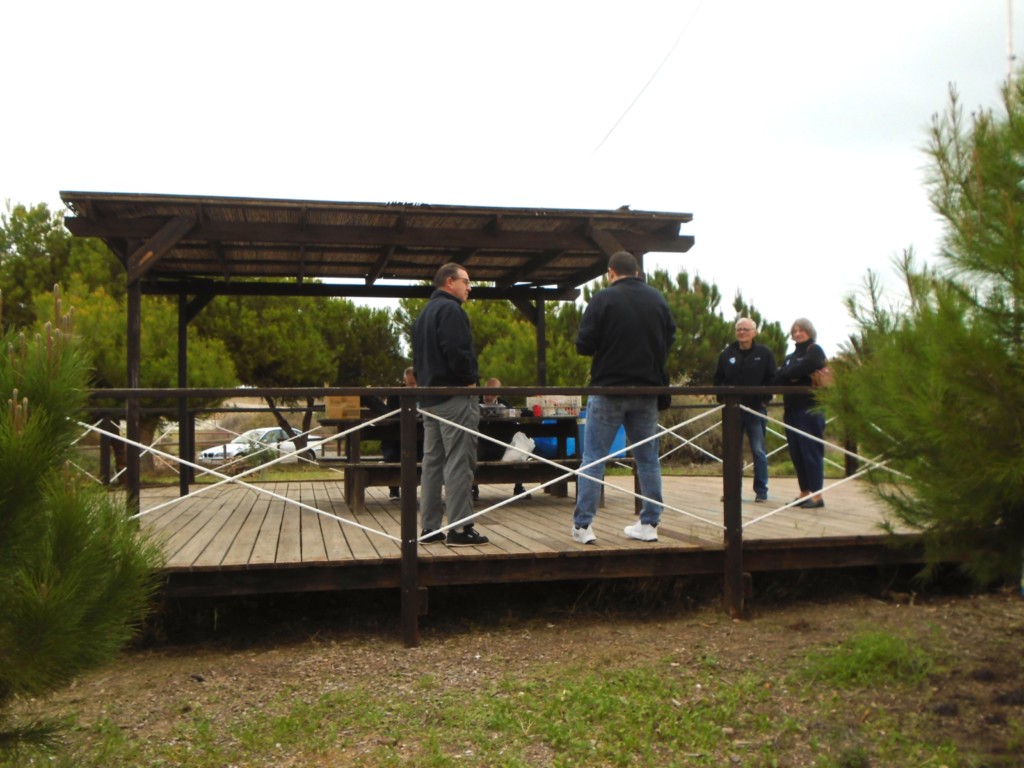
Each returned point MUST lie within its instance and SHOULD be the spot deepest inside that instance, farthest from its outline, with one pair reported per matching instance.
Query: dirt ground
(226, 655)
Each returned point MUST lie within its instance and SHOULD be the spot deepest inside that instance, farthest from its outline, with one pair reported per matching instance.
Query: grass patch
(869, 658)
(657, 713)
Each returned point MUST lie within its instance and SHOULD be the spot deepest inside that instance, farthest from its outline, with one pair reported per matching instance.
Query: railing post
(106, 449)
(133, 410)
(732, 490)
(852, 463)
(409, 483)
(186, 476)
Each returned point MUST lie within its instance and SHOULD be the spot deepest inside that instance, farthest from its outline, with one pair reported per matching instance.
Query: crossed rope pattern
(871, 464)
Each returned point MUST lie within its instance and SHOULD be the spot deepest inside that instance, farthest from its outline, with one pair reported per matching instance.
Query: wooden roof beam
(352, 290)
(538, 262)
(527, 308)
(606, 241)
(150, 252)
(326, 234)
(386, 252)
(494, 226)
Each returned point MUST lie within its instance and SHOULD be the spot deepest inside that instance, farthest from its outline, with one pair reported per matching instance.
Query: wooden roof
(172, 243)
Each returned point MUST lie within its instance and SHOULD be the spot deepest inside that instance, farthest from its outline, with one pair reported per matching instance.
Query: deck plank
(314, 549)
(234, 527)
(189, 541)
(359, 541)
(240, 552)
(335, 545)
(289, 545)
(264, 552)
(216, 549)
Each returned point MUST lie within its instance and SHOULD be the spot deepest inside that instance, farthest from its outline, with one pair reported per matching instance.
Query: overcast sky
(791, 130)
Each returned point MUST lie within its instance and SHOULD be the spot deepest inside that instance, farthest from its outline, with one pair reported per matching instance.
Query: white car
(273, 438)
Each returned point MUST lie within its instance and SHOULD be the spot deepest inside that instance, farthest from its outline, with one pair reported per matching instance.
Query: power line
(686, 26)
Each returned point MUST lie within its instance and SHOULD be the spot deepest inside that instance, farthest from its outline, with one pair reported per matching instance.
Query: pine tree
(76, 575)
(934, 382)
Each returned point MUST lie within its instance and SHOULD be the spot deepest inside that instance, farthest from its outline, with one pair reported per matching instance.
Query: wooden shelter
(197, 248)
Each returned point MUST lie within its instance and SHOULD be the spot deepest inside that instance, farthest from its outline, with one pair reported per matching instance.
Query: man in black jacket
(628, 329)
(745, 363)
(443, 356)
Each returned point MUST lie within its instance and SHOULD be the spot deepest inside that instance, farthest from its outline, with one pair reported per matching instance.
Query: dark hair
(623, 263)
(451, 269)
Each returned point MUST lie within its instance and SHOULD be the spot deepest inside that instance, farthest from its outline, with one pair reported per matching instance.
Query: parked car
(253, 440)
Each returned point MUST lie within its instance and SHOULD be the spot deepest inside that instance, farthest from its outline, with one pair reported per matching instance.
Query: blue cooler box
(618, 444)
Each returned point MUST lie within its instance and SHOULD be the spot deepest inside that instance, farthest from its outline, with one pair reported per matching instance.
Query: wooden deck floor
(234, 540)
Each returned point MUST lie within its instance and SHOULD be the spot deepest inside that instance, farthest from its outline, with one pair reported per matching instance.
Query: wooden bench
(364, 474)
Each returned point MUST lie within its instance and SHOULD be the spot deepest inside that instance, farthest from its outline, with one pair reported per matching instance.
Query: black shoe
(430, 537)
(812, 504)
(476, 492)
(467, 537)
(520, 488)
(394, 493)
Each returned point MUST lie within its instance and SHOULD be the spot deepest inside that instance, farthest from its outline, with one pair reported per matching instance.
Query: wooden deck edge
(485, 568)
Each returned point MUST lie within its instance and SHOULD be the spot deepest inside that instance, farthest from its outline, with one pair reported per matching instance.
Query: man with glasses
(443, 356)
(744, 363)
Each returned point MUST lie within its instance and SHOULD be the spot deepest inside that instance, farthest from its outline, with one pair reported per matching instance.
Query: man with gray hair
(745, 363)
(443, 356)
(628, 330)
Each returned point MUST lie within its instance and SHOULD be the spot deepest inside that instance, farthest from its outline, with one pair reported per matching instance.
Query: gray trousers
(449, 459)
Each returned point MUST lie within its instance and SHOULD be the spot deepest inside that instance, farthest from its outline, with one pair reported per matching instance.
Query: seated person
(391, 450)
(488, 451)
(494, 402)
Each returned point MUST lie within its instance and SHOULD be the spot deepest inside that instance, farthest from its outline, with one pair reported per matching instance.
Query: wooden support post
(185, 443)
(410, 564)
(133, 412)
(106, 449)
(852, 464)
(542, 346)
(732, 490)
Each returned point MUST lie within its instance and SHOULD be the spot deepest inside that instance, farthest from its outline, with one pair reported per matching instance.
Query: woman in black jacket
(800, 412)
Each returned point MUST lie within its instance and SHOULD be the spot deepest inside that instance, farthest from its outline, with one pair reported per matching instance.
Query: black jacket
(442, 346)
(628, 329)
(754, 367)
(796, 371)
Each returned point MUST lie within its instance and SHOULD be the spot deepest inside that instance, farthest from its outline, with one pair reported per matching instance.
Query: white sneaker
(583, 535)
(641, 532)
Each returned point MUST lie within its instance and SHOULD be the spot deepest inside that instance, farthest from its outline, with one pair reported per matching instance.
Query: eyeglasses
(744, 330)
(465, 280)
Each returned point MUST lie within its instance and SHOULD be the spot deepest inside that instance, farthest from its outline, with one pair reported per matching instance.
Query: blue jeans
(605, 414)
(808, 455)
(754, 427)
(449, 459)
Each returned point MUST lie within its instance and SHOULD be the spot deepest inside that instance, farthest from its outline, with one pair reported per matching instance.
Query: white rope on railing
(145, 450)
(85, 432)
(872, 464)
(78, 466)
(157, 441)
(797, 502)
(878, 465)
(227, 479)
(568, 472)
(690, 441)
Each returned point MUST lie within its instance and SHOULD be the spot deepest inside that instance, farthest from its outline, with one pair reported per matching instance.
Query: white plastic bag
(522, 447)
